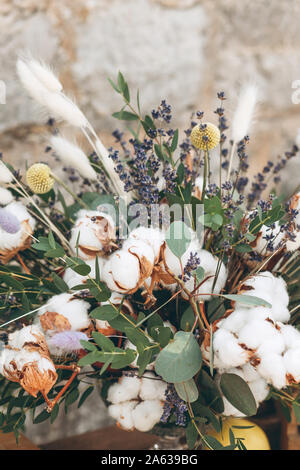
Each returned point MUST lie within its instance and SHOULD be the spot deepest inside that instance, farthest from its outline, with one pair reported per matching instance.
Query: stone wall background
(181, 50)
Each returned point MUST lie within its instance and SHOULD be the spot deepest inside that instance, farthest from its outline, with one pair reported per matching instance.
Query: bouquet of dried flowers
(156, 268)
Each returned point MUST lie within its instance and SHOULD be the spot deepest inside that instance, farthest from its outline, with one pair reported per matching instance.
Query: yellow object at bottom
(253, 438)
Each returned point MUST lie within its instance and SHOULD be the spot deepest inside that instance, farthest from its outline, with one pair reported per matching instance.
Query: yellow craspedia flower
(205, 136)
(39, 178)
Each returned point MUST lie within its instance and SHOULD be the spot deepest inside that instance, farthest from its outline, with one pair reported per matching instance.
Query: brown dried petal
(54, 321)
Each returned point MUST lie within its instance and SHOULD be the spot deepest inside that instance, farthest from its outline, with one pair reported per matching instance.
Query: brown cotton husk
(54, 321)
(33, 380)
(25, 242)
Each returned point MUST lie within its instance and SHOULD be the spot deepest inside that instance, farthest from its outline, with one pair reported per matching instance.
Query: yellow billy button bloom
(39, 178)
(205, 136)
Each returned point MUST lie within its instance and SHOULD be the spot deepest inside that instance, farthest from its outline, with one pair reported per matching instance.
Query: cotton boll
(10, 241)
(153, 237)
(121, 272)
(250, 373)
(152, 388)
(235, 321)
(93, 232)
(27, 334)
(74, 310)
(260, 390)
(293, 245)
(227, 348)
(74, 279)
(146, 414)
(145, 255)
(273, 369)
(292, 364)
(209, 263)
(5, 195)
(290, 335)
(271, 289)
(122, 413)
(127, 388)
(261, 241)
(257, 332)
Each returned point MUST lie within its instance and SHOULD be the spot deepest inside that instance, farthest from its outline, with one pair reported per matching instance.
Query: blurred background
(184, 51)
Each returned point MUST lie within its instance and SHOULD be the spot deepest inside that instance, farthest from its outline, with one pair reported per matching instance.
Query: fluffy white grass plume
(66, 342)
(45, 75)
(73, 156)
(5, 195)
(45, 88)
(244, 112)
(5, 175)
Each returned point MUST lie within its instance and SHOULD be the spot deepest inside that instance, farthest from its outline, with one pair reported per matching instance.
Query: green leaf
(200, 273)
(104, 342)
(187, 391)
(187, 319)
(41, 417)
(238, 393)
(89, 359)
(191, 435)
(180, 360)
(125, 116)
(121, 361)
(58, 252)
(61, 285)
(51, 241)
(71, 397)
(88, 345)
(243, 248)
(123, 86)
(213, 442)
(54, 413)
(174, 141)
(296, 409)
(114, 85)
(247, 299)
(178, 238)
(106, 313)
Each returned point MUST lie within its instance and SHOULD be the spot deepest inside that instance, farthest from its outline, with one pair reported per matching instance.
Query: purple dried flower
(68, 341)
(9, 222)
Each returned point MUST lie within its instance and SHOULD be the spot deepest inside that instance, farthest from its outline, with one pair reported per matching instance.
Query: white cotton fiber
(153, 237)
(152, 388)
(272, 369)
(127, 388)
(290, 335)
(260, 389)
(8, 241)
(292, 363)
(226, 347)
(230, 410)
(27, 334)
(5, 196)
(272, 289)
(121, 272)
(122, 413)
(146, 414)
(255, 333)
(235, 321)
(74, 310)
